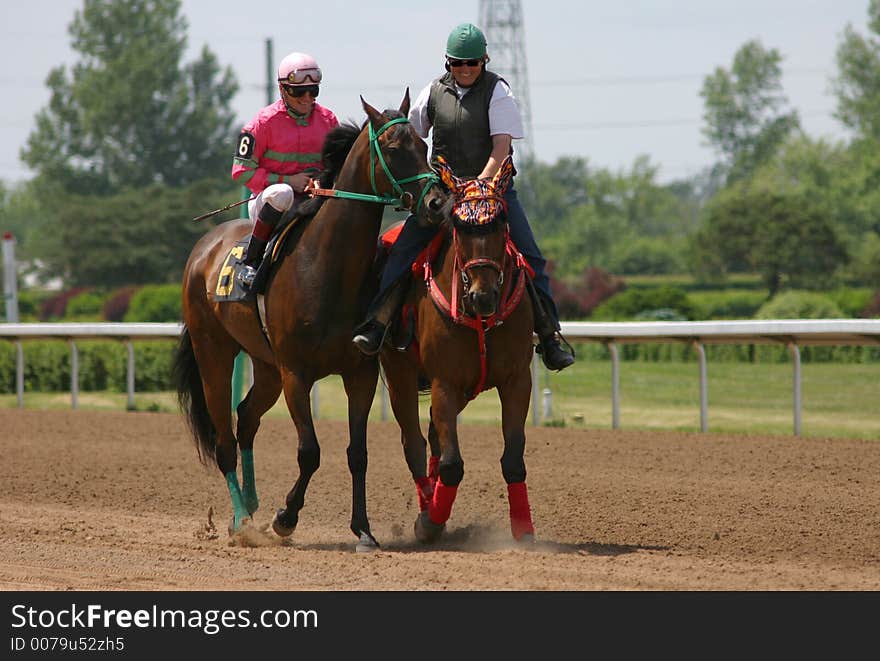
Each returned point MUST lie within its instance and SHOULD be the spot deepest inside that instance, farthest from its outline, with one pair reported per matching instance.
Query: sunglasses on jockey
(296, 91)
(302, 76)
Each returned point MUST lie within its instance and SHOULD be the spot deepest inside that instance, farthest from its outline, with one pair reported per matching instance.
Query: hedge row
(103, 366)
(149, 303)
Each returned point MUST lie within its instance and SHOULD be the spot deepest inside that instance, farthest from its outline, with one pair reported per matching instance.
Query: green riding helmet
(466, 42)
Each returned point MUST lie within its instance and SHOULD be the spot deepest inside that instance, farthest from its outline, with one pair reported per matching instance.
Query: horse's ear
(404, 105)
(502, 178)
(452, 182)
(374, 115)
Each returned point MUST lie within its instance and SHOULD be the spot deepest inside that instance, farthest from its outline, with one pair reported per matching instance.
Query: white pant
(279, 196)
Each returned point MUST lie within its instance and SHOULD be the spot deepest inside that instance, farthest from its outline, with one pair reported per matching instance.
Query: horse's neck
(445, 265)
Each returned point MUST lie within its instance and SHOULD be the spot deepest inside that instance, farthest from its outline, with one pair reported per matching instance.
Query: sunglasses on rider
(301, 76)
(297, 91)
(461, 63)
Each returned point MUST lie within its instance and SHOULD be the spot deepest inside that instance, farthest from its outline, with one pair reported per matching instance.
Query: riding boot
(372, 332)
(252, 258)
(268, 218)
(547, 328)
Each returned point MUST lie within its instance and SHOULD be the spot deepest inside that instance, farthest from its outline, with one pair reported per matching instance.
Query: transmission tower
(502, 22)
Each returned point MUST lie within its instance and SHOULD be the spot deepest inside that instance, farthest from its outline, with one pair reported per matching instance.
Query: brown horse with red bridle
(316, 293)
(473, 332)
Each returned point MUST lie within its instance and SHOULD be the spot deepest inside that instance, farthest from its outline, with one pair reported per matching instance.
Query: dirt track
(118, 501)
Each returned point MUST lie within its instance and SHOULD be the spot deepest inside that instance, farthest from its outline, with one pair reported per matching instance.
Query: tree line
(134, 143)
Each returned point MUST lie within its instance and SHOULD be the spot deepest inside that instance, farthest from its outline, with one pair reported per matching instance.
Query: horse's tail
(191, 398)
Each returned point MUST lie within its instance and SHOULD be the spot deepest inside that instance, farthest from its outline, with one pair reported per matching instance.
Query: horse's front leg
(360, 386)
(515, 396)
(308, 455)
(261, 397)
(445, 407)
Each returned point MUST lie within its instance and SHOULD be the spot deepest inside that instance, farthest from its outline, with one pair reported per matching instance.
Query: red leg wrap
(520, 512)
(425, 489)
(441, 505)
(434, 470)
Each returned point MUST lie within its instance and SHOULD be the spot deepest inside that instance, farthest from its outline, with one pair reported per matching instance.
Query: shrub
(854, 301)
(579, 300)
(628, 304)
(727, 303)
(55, 307)
(796, 304)
(84, 307)
(155, 303)
(117, 303)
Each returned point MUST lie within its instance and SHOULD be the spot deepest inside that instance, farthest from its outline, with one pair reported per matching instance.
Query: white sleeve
(504, 115)
(418, 112)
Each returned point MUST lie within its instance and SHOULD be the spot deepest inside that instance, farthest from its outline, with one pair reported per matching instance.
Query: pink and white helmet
(299, 69)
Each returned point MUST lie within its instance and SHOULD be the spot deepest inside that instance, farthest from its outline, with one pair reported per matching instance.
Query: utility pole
(10, 278)
(502, 22)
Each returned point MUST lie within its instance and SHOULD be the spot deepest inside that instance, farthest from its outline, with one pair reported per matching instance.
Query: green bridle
(404, 199)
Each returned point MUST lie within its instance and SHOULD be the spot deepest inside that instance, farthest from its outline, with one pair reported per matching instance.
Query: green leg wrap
(248, 482)
(239, 513)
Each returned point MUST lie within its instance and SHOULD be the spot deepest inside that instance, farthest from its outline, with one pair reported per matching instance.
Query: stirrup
(366, 341)
(553, 344)
(246, 275)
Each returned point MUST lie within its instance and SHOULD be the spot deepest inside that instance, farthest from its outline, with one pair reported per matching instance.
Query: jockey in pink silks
(278, 150)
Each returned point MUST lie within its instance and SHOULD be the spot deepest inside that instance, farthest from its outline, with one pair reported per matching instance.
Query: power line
(647, 123)
(654, 80)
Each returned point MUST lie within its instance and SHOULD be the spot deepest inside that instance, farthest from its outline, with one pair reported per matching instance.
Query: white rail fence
(791, 333)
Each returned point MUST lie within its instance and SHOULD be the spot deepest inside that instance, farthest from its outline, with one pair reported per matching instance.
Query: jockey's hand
(300, 182)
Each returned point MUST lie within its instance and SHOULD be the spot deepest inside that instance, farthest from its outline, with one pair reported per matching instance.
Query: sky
(607, 81)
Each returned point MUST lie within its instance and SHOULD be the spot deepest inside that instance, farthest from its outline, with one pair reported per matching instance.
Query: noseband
(477, 262)
(404, 199)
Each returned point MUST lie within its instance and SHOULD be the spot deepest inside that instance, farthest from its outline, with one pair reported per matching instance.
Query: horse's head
(399, 163)
(479, 229)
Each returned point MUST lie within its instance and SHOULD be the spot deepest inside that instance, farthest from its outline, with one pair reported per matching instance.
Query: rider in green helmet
(475, 118)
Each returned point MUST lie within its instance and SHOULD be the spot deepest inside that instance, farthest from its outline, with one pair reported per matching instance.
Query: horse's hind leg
(260, 398)
(360, 386)
(215, 353)
(515, 397)
(308, 454)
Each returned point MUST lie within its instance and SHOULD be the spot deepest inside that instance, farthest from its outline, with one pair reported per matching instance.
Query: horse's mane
(337, 144)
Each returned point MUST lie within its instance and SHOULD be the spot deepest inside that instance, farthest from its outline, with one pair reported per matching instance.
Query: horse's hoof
(366, 544)
(426, 531)
(279, 527)
(527, 540)
(232, 529)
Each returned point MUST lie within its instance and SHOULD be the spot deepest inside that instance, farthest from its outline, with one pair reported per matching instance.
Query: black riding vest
(461, 126)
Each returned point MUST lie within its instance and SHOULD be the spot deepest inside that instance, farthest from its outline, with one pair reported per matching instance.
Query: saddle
(229, 288)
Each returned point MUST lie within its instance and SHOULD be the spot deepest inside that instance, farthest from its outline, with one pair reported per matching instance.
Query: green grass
(838, 399)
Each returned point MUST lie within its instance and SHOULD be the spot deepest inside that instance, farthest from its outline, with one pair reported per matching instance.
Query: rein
(511, 295)
(404, 199)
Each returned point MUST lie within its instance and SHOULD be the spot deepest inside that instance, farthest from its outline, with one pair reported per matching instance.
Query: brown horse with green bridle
(472, 332)
(316, 293)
